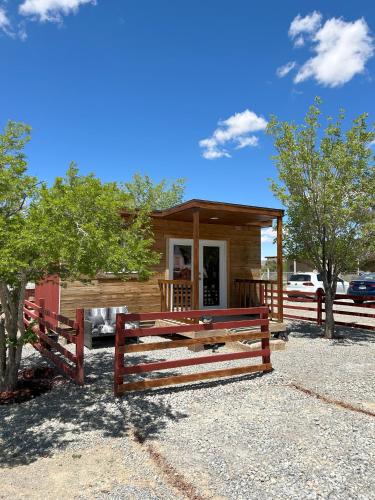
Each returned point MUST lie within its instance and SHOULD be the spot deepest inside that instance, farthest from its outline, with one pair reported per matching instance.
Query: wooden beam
(279, 263)
(196, 259)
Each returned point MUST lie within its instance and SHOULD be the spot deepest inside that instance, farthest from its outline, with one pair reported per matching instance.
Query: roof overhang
(213, 212)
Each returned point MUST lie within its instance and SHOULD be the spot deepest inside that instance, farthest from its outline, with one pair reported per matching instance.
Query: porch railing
(253, 293)
(176, 295)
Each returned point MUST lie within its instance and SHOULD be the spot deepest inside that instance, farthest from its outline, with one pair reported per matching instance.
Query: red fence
(177, 326)
(48, 326)
(310, 306)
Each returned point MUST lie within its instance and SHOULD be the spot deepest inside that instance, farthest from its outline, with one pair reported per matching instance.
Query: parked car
(311, 282)
(362, 286)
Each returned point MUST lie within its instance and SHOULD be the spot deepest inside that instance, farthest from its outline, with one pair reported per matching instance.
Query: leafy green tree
(73, 228)
(327, 184)
(144, 192)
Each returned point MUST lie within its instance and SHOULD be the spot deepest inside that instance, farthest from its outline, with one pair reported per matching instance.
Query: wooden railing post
(80, 339)
(280, 295)
(319, 307)
(119, 356)
(265, 342)
(41, 323)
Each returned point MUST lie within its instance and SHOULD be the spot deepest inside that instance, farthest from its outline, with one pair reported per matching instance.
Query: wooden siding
(244, 261)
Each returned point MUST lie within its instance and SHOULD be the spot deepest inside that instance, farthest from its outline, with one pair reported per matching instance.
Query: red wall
(49, 290)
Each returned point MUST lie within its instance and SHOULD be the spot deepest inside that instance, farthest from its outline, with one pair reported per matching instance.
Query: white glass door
(213, 274)
(212, 269)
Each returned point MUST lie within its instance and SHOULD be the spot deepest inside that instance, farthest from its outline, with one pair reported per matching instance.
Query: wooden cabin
(210, 258)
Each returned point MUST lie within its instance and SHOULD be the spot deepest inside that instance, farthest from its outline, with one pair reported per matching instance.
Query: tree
(73, 229)
(160, 196)
(327, 184)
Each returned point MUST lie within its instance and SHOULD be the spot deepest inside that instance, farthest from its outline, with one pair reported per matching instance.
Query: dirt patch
(325, 399)
(84, 473)
(32, 382)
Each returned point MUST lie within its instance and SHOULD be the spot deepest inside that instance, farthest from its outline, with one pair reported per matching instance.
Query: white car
(312, 282)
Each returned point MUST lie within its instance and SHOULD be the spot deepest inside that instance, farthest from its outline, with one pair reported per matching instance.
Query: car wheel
(358, 301)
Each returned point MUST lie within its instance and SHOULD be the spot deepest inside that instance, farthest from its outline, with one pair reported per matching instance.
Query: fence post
(261, 294)
(41, 323)
(119, 356)
(319, 307)
(266, 341)
(80, 339)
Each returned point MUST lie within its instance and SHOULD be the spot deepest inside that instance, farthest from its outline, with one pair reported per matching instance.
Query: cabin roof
(216, 212)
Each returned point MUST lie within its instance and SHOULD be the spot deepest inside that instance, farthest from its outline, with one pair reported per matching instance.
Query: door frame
(222, 244)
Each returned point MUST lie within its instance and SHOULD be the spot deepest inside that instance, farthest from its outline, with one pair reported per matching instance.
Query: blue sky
(135, 85)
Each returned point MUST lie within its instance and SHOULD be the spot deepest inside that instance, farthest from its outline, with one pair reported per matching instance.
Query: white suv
(312, 282)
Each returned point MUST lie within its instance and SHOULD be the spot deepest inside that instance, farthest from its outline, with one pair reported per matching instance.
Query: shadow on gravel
(48, 423)
(305, 329)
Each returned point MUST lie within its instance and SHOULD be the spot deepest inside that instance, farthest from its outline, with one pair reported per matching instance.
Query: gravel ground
(251, 437)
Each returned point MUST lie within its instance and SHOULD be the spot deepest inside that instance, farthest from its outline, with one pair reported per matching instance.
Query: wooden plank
(302, 308)
(196, 278)
(279, 265)
(59, 363)
(59, 317)
(30, 313)
(32, 305)
(195, 313)
(192, 377)
(169, 330)
(80, 322)
(352, 313)
(119, 358)
(178, 363)
(174, 344)
(349, 304)
(57, 346)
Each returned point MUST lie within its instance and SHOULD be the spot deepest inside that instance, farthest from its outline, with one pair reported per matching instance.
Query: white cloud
(243, 142)
(285, 69)
(299, 41)
(4, 21)
(304, 25)
(342, 50)
(51, 10)
(268, 235)
(237, 130)
(372, 143)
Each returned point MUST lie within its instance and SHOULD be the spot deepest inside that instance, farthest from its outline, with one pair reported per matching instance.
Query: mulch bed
(32, 382)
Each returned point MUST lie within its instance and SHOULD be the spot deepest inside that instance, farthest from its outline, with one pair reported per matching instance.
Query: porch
(218, 264)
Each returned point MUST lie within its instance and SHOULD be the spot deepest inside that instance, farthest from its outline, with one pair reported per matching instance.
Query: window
(300, 277)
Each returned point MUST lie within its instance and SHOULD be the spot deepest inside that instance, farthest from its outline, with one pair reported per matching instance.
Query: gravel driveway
(254, 437)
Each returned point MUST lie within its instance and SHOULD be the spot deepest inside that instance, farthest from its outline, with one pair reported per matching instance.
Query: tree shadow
(56, 419)
(345, 334)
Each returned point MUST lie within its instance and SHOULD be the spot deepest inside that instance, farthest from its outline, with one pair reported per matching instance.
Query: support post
(280, 305)
(196, 259)
(119, 356)
(80, 339)
(319, 307)
(41, 324)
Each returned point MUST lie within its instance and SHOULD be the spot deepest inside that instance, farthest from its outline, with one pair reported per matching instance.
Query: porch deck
(177, 295)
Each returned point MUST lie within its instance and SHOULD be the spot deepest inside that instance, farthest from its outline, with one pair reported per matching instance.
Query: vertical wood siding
(244, 261)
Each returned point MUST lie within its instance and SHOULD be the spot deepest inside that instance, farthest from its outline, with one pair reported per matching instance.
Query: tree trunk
(329, 324)
(11, 334)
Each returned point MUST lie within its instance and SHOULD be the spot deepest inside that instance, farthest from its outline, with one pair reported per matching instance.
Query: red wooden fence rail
(259, 320)
(315, 302)
(44, 323)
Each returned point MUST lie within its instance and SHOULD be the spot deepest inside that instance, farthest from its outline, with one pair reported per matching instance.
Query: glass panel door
(213, 274)
(182, 262)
